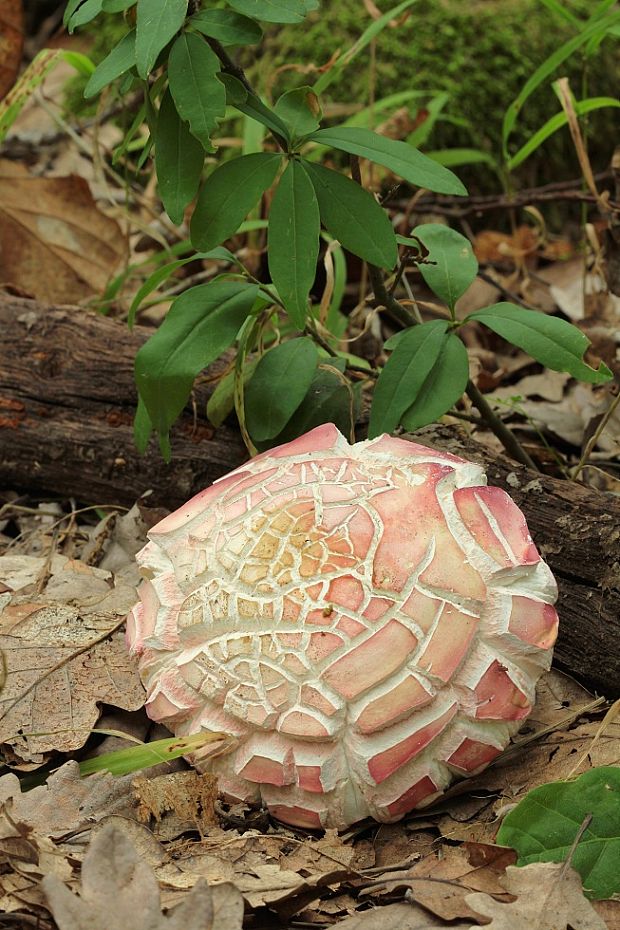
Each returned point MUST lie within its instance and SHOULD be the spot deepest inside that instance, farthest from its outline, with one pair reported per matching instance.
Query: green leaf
(404, 374)
(548, 67)
(455, 265)
(300, 110)
(354, 217)
(162, 274)
(158, 21)
(452, 158)
(294, 226)
(272, 11)
(556, 122)
(136, 758)
(222, 402)
(330, 399)
(199, 95)
(83, 14)
(121, 59)
(82, 63)
(399, 157)
(179, 158)
(552, 342)
(370, 33)
(142, 427)
(544, 826)
(117, 6)
(200, 324)
(278, 386)
(238, 96)
(229, 194)
(443, 387)
(227, 27)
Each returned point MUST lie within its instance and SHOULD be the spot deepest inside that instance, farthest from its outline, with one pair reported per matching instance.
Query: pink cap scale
(368, 621)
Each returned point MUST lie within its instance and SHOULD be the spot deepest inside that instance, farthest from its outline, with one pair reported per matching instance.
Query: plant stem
(507, 438)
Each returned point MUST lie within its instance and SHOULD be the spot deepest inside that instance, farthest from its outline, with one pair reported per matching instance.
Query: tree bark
(67, 400)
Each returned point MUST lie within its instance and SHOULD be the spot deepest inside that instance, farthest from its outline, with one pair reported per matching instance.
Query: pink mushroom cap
(367, 621)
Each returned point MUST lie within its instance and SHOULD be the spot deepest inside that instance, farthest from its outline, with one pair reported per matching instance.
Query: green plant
(175, 52)
(572, 820)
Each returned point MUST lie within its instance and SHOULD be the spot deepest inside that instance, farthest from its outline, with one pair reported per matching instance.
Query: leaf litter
(438, 868)
(159, 849)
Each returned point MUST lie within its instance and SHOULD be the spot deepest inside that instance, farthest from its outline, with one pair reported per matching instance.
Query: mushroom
(367, 621)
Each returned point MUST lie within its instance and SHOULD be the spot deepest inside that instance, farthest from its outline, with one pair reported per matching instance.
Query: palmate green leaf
(552, 342)
(300, 110)
(544, 825)
(229, 194)
(199, 95)
(200, 324)
(592, 28)
(404, 375)
(370, 33)
(399, 157)
(179, 158)
(444, 385)
(353, 216)
(279, 384)
(272, 11)
(452, 264)
(158, 21)
(227, 27)
(294, 227)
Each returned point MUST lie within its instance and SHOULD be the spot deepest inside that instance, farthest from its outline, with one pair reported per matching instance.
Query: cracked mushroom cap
(368, 621)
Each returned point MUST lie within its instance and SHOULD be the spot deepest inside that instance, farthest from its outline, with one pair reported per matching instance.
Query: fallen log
(67, 400)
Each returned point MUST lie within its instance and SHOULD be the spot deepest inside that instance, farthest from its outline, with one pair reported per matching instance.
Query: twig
(507, 438)
(587, 820)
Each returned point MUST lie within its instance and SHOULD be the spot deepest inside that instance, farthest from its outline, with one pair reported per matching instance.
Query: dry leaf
(68, 803)
(119, 891)
(62, 655)
(396, 917)
(189, 796)
(549, 897)
(54, 242)
(11, 43)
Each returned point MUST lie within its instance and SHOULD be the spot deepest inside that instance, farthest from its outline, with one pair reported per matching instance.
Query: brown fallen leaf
(54, 242)
(397, 917)
(549, 896)
(63, 653)
(11, 43)
(189, 796)
(120, 891)
(68, 803)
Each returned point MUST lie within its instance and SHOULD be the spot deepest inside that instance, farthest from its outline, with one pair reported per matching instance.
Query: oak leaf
(549, 896)
(11, 42)
(119, 890)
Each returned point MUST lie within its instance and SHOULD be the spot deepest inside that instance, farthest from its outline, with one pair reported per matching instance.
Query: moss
(480, 53)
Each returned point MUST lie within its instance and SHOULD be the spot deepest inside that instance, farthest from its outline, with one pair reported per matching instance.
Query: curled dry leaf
(11, 43)
(63, 654)
(188, 796)
(119, 890)
(54, 242)
(549, 896)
